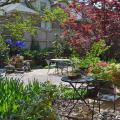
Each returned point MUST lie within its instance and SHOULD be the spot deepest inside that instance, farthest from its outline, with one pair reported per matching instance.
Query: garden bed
(81, 112)
(44, 101)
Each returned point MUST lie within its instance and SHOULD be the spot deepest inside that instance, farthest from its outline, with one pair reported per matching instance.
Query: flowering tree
(91, 21)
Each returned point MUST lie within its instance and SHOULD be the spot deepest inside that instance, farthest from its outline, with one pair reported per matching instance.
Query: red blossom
(105, 22)
(102, 64)
(65, 33)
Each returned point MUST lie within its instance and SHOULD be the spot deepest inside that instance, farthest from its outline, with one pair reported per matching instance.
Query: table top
(27, 60)
(57, 60)
(83, 79)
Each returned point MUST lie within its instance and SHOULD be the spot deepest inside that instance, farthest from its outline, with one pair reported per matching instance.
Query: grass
(69, 93)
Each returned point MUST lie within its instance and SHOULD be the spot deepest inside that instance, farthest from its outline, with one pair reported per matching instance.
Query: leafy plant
(3, 51)
(69, 93)
(55, 15)
(113, 71)
(38, 57)
(61, 48)
(106, 71)
(100, 71)
(17, 27)
(3, 46)
(93, 55)
(26, 102)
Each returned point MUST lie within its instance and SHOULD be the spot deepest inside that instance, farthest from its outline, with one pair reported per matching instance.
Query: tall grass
(26, 102)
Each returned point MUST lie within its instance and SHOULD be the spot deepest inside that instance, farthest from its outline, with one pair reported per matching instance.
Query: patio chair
(2, 72)
(107, 94)
(102, 91)
(62, 66)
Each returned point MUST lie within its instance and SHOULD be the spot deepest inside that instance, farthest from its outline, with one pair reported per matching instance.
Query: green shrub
(3, 52)
(26, 102)
(38, 56)
(92, 57)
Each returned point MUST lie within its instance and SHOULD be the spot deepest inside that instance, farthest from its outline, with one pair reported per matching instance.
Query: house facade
(46, 35)
(47, 30)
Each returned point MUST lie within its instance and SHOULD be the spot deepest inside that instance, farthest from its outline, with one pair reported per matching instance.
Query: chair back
(2, 72)
(106, 87)
(99, 87)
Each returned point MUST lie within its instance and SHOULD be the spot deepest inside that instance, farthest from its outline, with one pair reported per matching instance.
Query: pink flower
(102, 64)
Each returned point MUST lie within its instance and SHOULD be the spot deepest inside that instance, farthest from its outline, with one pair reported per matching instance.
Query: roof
(21, 7)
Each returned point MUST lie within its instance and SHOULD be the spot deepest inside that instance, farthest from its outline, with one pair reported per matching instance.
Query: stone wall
(44, 38)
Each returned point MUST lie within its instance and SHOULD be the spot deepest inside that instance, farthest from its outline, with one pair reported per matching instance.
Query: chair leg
(114, 97)
(99, 105)
(93, 110)
(62, 71)
(67, 69)
(48, 69)
(114, 104)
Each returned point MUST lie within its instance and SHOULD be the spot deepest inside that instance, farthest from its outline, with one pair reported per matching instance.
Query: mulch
(82, 112)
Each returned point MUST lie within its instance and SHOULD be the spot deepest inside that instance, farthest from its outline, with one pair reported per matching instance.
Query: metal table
(61, 63)
(60, 60)
(81, 81)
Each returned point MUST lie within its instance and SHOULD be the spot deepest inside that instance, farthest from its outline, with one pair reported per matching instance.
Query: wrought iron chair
(107, 93)
(62, 66)
(2, 72)
(103, 90)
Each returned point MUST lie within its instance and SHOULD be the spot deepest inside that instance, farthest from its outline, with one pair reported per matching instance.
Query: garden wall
(43, 39)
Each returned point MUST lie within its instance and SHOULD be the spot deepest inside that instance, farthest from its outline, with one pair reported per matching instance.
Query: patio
(40, 75)
(80, 111)
(59, 60)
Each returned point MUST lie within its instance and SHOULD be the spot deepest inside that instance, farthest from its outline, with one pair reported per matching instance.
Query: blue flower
(20, 44)
(9, 41)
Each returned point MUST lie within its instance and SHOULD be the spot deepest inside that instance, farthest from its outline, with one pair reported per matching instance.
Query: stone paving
(40, 75)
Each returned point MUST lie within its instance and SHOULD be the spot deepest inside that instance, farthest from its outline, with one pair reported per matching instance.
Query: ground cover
(26, 102)
(32, 101)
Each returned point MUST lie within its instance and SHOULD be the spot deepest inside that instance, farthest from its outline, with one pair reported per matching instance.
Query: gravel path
(40, 75)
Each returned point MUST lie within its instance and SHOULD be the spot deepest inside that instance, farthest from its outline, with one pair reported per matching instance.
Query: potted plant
(74, 75)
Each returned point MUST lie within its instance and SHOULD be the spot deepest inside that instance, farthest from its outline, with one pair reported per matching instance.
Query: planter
(74, 75)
